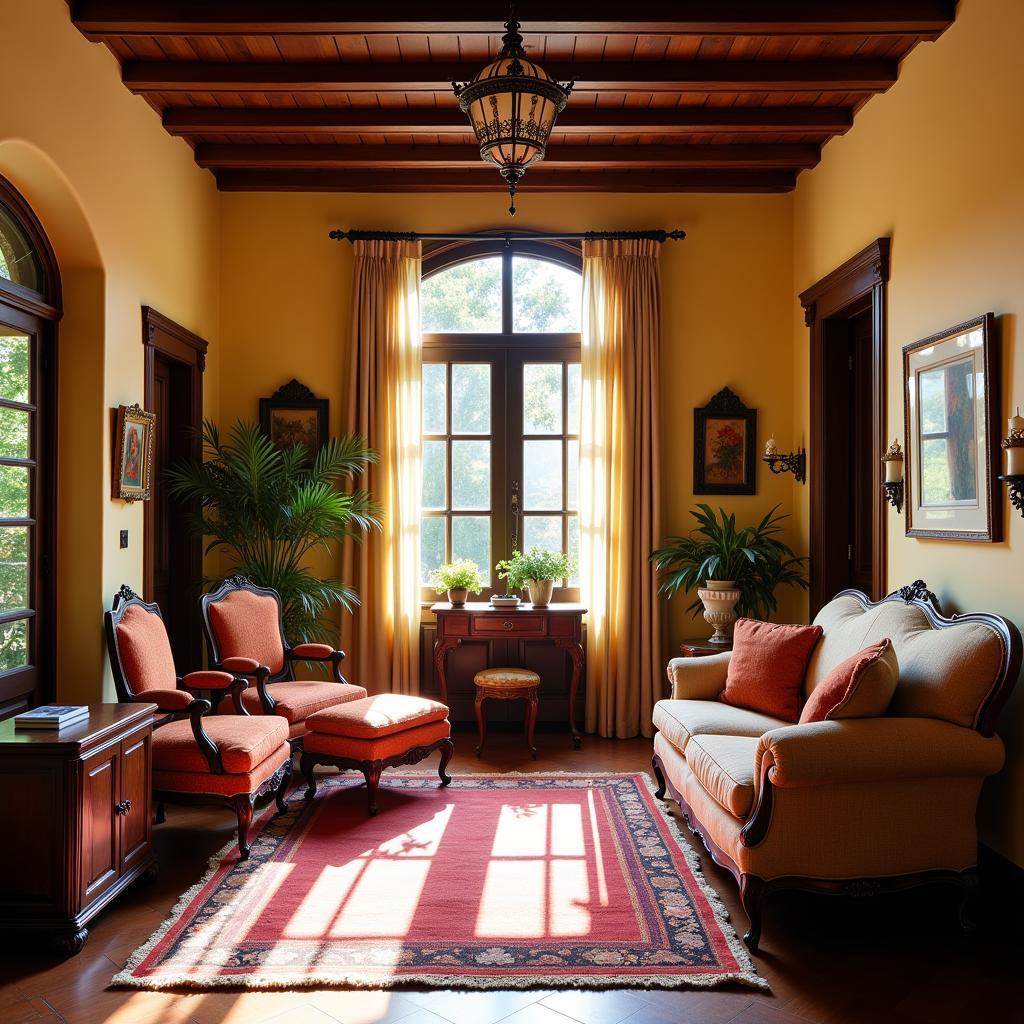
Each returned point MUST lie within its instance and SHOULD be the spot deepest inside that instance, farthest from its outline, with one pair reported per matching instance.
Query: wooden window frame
(507, 352)
(36, 313)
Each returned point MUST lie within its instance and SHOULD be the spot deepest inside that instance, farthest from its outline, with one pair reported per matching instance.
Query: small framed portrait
(951, 387)
(133, 453)
(724, 446)
(294, 415)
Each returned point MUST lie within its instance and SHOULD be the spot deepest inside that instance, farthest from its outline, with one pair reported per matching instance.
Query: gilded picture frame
(133, 453)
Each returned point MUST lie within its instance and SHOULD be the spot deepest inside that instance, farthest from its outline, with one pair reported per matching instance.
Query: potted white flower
(458, 579)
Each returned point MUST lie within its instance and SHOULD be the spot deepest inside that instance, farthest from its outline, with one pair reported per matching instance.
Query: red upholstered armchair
(198, 758)
(245, 635)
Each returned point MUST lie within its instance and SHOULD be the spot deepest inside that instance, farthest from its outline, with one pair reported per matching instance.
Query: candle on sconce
(1015, 424)
(771, 448)
(893, 459)
(1013, 445)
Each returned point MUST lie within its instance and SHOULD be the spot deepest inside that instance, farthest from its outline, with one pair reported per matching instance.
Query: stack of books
(52, 716)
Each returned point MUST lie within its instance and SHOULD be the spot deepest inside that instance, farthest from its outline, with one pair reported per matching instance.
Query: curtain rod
(357, 235)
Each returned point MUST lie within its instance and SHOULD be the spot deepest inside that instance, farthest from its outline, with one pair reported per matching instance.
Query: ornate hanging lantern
(512, 105)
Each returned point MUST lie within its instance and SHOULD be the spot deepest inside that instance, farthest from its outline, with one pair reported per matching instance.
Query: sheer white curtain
(382, 637)
(620, 498)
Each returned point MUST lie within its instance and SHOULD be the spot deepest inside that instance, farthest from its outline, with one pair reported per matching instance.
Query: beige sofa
(853, 805)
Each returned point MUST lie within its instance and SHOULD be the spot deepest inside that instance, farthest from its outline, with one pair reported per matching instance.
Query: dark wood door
(134, 820)
(173, 555)
(175, 588)
(100, 794)
(864, 475)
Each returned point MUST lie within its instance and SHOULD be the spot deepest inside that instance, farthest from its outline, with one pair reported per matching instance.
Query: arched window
(29, 310)
(501, 404)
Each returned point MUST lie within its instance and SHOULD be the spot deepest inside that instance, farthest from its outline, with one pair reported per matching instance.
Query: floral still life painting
(725, 438)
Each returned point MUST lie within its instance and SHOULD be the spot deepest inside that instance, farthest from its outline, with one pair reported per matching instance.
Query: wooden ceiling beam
(100, 19)
(486, 180)
(642, 76)
(451, 120)
(439, 157)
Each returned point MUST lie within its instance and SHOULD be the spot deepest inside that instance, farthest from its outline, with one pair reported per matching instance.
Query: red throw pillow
(860, 687)
(767, 667)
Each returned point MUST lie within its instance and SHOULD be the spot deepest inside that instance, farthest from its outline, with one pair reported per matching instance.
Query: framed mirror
(951, 383)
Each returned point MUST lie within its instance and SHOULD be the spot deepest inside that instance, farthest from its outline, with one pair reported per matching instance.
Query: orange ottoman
(375, 733)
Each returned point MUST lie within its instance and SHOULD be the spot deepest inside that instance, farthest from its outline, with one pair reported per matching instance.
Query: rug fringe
(747, 977)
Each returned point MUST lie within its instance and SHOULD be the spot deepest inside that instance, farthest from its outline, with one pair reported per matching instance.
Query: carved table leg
(531, 721)
(441, 649)
(447, 749)
(481, 720)
(575, 651)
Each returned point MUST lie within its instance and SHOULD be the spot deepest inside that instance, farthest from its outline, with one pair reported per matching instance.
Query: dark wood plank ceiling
(671, 95)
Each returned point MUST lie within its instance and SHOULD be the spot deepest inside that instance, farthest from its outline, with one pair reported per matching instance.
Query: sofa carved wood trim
(752, 888)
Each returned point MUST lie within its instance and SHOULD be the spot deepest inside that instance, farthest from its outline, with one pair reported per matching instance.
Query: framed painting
(951, 383)
(724, 446)
(133, 453)
(294, 415)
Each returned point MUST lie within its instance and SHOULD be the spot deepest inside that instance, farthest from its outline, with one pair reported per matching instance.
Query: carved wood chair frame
(753, 889)
(261, 674)
(242, 804)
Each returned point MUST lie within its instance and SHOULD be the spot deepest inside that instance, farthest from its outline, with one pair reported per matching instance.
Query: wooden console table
(77, 819)
(561, 624)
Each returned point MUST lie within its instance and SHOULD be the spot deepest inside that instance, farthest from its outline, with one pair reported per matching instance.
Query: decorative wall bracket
(1015, 485)
(894, 493)
(791, 462)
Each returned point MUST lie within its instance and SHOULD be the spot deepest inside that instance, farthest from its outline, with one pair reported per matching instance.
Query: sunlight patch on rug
(558, 880)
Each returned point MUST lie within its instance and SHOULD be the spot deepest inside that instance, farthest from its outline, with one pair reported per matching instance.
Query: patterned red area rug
(561, 880)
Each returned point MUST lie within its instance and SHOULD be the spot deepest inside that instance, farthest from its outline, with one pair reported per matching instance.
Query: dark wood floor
(898, 960)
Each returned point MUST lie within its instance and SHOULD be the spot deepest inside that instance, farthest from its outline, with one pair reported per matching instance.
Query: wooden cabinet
(477, 636)
(78, 819)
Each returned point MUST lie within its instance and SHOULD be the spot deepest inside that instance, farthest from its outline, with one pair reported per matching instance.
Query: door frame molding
(162, 335)
(861, 280)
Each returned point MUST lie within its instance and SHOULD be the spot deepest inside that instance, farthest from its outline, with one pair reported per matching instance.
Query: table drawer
(516, 624)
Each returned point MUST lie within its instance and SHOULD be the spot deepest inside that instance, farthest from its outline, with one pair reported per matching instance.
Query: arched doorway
(30, 308)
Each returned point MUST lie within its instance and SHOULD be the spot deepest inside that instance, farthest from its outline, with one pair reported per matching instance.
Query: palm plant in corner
(732, 569)
(269, 509)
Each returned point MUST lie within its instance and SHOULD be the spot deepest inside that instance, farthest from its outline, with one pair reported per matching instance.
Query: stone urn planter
(540, 592)
(719, 598)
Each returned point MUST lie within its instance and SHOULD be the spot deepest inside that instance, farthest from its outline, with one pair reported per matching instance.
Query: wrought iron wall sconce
(1013, 445)
(790, 462)
(893, 483)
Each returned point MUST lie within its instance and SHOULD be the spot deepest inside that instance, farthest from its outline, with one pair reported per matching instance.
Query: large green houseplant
(269, 508)
(750, 558)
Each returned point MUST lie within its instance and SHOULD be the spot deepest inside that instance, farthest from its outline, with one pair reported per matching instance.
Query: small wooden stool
(507, 684)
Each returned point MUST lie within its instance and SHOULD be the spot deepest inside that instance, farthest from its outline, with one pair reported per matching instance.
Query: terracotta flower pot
(457, 596)
(540, 592)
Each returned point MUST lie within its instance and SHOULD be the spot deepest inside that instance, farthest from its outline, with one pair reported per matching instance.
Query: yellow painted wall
(936, 163)
(726, 293)
(134, 222)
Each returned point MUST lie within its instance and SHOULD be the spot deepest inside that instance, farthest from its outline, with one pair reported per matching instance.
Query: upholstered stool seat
(375, 733)
(507, 684)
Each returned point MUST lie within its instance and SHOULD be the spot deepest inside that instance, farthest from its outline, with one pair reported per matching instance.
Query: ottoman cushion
(373, 718)
(380, 748)
(296, 701)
